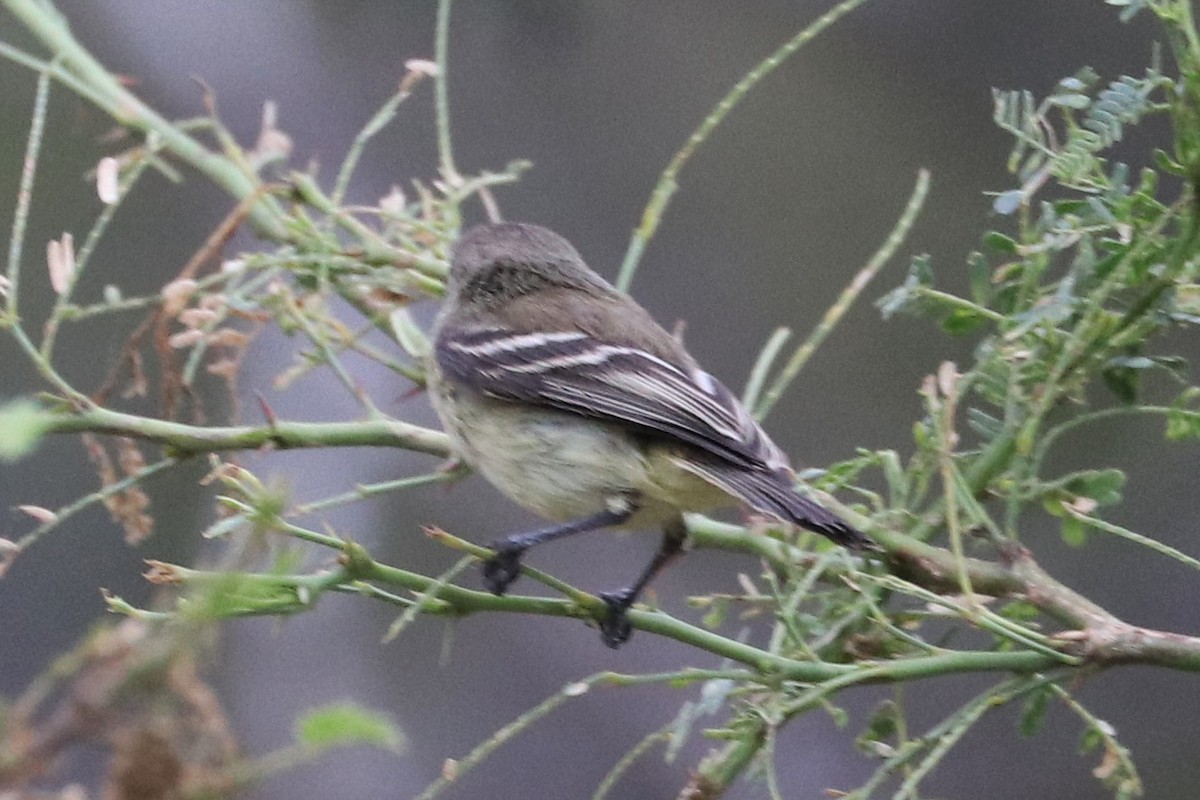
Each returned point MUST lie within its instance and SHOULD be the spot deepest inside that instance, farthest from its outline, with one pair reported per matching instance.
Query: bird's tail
(773, 493)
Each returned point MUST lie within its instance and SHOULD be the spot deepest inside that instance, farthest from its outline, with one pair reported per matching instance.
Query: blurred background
(774, 216)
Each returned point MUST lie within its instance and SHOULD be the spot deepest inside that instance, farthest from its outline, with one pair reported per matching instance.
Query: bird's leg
(505, 566)
(615, 629)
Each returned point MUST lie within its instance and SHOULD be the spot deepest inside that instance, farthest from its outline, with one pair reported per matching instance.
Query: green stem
(107, 92)
(83, 257)
(33, 146)
(667, 184)
(442, 95)
(851, 293)
(182, 440)
(64, 513)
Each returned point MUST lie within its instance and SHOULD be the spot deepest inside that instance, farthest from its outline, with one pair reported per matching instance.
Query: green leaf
(839, 715)
(1147, 184)
(893, 473)
(234, 594)
(903, 296)
(921, 271)
(962, 321)
(1073, 531)
(1074, 83)
(1182, 425)
(1131, 362)
(1020, 611)
(1033, 715)
(1052, 503)
(1001, 243)
(979, 272)
(1182, 421)
(984, 424)
(1185, 304)
(344, 724)
(22, 425)
(1167, 164)
(1124, 382)
(895, 301)
(1089, 740)
(922, 435)
(882, 727)
(1077, 101)
(716, 615)
(1102, 485)
(1176, 365)
(1008, 202)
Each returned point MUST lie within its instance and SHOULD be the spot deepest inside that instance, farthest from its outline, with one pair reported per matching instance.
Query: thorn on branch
(268, 412)
(161, 573)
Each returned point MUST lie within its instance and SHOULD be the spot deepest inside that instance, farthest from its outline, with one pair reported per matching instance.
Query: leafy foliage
(345, 724)
(22, 424)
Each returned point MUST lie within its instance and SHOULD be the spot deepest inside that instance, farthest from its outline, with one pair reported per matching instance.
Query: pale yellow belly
(562, 466)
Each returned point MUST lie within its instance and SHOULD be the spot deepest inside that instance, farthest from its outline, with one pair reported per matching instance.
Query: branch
(186, 440)
(1106, 643)
(357, 566)
(106, 91)
(1095, 634)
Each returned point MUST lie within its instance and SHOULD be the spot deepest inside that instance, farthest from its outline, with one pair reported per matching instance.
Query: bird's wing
(772, 493)
(573, 371)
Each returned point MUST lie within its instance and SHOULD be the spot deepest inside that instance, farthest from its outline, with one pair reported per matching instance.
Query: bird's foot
(503, 568)
(615, 628)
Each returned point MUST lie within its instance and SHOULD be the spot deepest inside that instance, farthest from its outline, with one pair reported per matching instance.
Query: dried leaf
(392, 204)
(9, 550)
(42, 515)
(60, 261)
(196, 317)
(108, 185)
(423, 66)
(185, 339)
(176, 295)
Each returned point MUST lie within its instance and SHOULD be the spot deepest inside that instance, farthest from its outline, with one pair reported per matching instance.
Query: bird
(568, 397)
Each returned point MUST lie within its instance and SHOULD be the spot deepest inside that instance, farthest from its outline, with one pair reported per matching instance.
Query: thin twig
(762, 366)
(442, 95)
(64, 513)
(380, 120)
(851, 293)
(667, 184)
(33, 147)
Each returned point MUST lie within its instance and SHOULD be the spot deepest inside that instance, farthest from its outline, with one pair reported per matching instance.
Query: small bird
(570, 399)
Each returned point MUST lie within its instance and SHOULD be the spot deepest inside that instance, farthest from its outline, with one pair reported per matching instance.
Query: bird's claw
(502, 568)
(615, 628)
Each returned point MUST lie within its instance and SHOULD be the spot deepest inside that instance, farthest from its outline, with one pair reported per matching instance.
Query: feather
(573, 371)
(772, 493)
